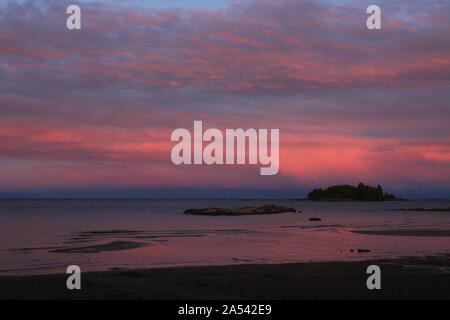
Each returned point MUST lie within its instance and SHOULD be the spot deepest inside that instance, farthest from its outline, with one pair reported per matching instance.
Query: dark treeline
(346, 192)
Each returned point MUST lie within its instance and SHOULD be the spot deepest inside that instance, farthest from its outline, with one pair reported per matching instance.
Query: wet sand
(406, 232)
(110, 246)
(408, 278)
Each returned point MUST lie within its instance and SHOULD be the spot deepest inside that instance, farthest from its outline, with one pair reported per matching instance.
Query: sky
(89, 113)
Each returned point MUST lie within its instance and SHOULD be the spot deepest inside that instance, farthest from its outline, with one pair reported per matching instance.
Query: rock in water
(267, 209)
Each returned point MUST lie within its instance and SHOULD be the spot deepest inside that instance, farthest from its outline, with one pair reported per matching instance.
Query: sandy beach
(133, 249)
(407, 278)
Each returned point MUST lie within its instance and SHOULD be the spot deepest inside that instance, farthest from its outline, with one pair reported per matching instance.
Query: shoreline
(404, 278)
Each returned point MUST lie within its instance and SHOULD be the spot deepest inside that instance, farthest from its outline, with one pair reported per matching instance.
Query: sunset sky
(90, 112)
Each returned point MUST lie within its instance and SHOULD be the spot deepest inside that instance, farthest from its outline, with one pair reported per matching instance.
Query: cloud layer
(95, 108)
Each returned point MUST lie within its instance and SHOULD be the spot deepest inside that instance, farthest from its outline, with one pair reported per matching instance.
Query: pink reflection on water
(175, 239)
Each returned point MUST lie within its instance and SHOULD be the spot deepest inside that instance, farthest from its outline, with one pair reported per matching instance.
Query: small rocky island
(361, 192)
(267, 209)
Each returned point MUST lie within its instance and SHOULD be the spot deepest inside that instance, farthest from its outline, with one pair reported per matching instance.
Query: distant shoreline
(212, 199)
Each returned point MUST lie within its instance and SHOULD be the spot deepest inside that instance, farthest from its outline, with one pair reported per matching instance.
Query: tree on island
(346, 192)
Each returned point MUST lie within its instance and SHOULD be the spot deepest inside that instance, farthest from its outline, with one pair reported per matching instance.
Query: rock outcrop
(267, 209)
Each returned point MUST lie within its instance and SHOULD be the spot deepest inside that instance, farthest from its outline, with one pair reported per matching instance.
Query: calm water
(31, 229)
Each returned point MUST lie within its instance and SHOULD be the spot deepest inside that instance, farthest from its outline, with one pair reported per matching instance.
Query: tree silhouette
(361, 192)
